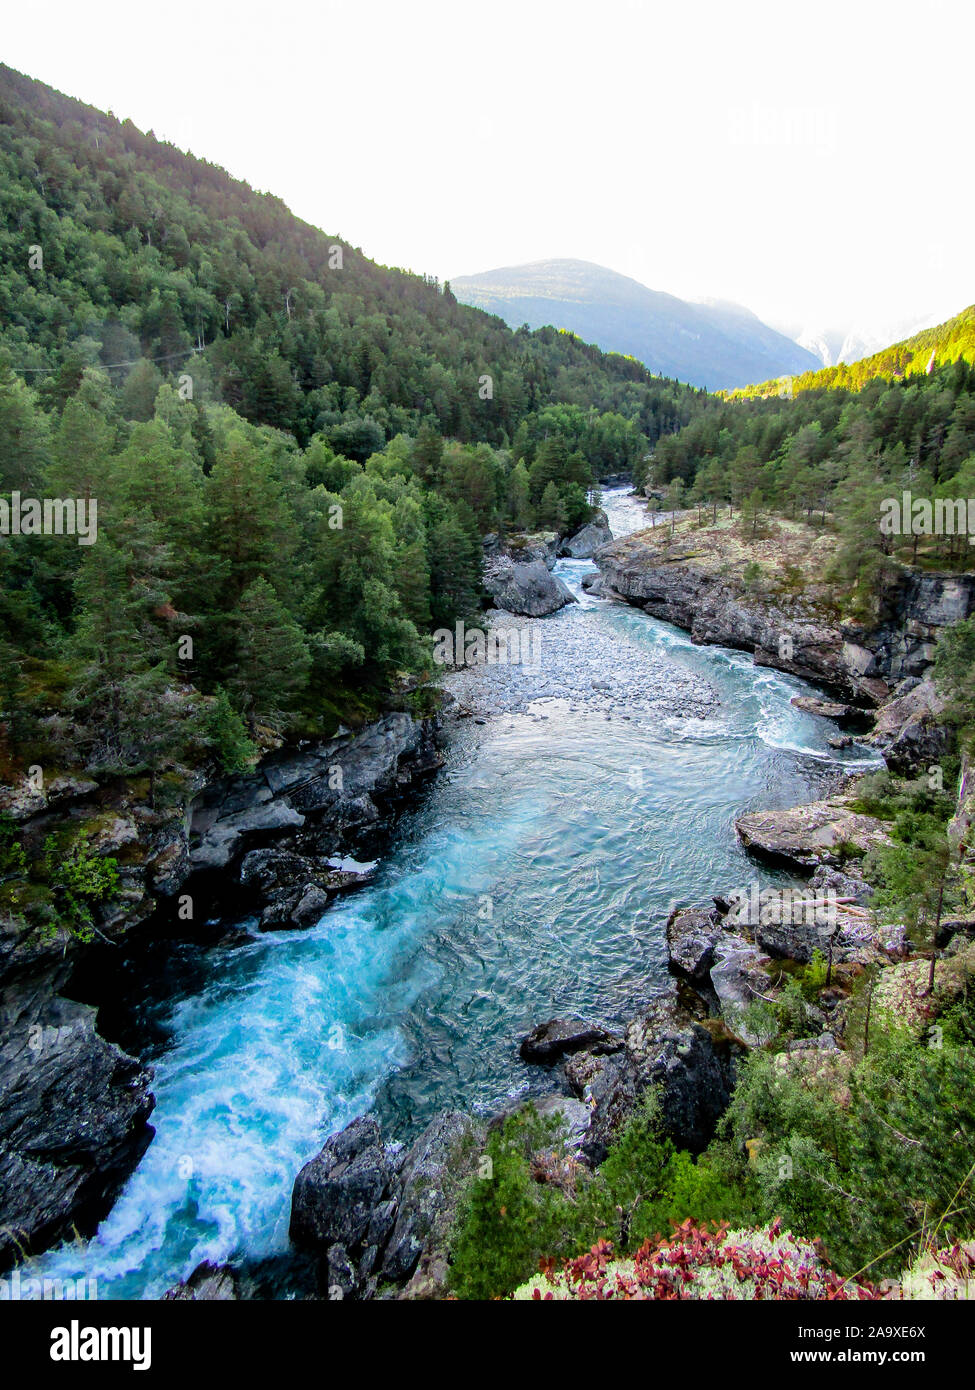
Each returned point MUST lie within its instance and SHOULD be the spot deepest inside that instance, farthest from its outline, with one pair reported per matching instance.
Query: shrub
(860, 1154)
(78, 879)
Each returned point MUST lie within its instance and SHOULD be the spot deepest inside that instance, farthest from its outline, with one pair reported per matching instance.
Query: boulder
(371, 1211)
(588, 539)
(524, 547)
(209, 1283)
(24, 800)
(218, 845)
(691, 937)
(337, 1192)
(526, 589)
(737, 976)
(428, 1179)
(803, 837)
(847, 716)
(908, 729)
(267, 869)
(847, 883)
(342, 1277)
(691, 1063)
(549, 1041)
(796, 940)
(296, 911)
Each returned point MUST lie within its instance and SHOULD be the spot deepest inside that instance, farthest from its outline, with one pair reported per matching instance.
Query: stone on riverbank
(691, 937)
(549, 1041)
(528, 590)
(588, 539)
(692, 1063)
(370, 1210)
(803, 837)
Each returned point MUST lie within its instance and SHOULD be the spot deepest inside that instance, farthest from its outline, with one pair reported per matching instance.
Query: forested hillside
(831, 448)
(294, 452)
(916, 356)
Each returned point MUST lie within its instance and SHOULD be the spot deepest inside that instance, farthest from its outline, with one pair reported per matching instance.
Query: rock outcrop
(691, 1062)
(209, 1283)
(74, 1113)
(74, 1106)
(549, 1041)
(588, 539)
(528, 589)
(692, 934)
(846, 716)
(311, 800)
(522, 548)
(685, 580)
(907, 728)
(803, 837)
(372, 1211)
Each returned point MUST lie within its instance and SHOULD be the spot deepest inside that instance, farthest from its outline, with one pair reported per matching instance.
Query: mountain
(712, 344)
(918, 355)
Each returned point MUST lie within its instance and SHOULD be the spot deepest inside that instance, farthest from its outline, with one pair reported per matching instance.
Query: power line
(168, 357)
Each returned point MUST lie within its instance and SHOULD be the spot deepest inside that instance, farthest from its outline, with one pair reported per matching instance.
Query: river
(532, 878)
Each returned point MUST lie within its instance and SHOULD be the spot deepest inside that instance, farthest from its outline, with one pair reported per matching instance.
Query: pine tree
(272, 659)
(520, 513)
(551, 509)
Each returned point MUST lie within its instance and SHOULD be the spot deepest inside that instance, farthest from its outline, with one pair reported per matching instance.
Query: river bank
(534, 879)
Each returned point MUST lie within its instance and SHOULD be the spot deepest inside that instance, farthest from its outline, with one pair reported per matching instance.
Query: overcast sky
(811, 161)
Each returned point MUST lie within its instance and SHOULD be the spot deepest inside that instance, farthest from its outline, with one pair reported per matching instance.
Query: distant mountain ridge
(951, 341)
(713, 344)
(851, 344)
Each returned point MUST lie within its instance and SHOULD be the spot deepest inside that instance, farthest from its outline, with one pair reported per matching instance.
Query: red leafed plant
(703, 1264)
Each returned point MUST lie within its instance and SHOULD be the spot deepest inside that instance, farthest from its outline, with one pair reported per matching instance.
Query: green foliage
(13, 859)
(225, 731)
(863, 1158)
(814, 975)
(646, 1185)
(539, 1204)
(291, 457)
(507, 1221)
(78, 879)
(845, 440)
(954, 672)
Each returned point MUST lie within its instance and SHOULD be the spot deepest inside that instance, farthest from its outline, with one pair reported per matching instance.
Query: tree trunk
(934, 938)
(866, 1021)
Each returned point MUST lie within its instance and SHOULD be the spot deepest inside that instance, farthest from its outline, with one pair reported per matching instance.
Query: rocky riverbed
(580, 666)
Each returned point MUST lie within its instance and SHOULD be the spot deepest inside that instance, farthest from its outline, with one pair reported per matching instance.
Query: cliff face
(682, 580)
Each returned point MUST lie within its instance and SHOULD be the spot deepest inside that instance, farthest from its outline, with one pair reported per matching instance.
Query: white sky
(811, 161)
